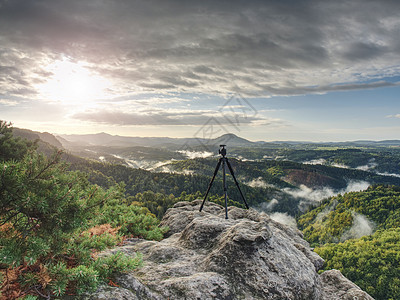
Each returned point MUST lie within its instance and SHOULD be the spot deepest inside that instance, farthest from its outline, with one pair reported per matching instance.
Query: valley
(285, 177)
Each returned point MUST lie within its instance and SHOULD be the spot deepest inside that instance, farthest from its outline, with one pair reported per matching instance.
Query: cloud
(195, 154)
(322, 214)
(361, 226)
(159, 117)
(393, 116)
(364, 51)
(269, 206)
(369, 166)
(317, 195)
(314, 195)
(319, 161)
(258, 183)
(389, 174)
(7, 102)
(343, 166)
(356, 186)
(149, 165)
(258, 48)
(284, 218)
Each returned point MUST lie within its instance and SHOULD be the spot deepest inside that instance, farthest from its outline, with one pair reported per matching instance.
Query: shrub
(44, 212)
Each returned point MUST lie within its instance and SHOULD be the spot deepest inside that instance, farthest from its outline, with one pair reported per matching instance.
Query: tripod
(224, 162)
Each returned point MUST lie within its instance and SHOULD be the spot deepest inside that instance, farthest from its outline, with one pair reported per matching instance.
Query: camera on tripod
(222, 150)
(224, 161)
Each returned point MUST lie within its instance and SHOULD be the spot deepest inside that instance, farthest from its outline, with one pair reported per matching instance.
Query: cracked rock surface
(248, 256)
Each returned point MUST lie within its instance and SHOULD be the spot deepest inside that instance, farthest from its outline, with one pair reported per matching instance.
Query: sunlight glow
(73, 83)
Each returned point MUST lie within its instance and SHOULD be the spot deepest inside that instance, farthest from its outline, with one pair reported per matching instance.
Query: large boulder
(248, 256)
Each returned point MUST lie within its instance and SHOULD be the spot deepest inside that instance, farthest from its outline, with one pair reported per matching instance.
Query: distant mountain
(342, 144)
(34, 135)
(104, 139)
(291, 142)
(47, 142)
(231, 140)
(367, 143)
(389, 143)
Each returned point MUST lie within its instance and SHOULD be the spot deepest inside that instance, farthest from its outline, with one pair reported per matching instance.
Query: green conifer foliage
(10, 146)
(43, 205)
(45, 213)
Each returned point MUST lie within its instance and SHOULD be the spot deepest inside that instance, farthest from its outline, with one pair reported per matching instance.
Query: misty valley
(344, 197)
(281, 177)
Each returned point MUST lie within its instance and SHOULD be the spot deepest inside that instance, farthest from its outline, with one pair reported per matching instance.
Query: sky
(263, 70)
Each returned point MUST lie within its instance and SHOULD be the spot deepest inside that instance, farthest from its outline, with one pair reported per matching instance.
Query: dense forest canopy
(330, 221)
(371, 261)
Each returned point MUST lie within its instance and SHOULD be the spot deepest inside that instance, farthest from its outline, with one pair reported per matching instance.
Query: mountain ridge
(223, 138)
(116, 140)
(106, 139)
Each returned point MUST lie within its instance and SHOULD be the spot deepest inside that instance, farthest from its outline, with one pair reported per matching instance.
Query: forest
(371, 259)
(59, 209)
(192, 176)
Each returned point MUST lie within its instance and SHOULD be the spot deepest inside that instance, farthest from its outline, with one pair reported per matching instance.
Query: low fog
(195, 154)
(316, 195)
(284, 218)
(361, 227)
(258, 183)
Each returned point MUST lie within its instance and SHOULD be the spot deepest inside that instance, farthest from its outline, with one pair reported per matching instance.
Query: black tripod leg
(236, 182)
(211, 182)
(225, 188)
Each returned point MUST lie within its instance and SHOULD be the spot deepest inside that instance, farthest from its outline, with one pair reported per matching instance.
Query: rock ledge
(248, 256)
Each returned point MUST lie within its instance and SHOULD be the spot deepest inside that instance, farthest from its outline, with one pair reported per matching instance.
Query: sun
(73, 83)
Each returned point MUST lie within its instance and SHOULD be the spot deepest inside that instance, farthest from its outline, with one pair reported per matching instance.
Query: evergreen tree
(52, 221)
(12, 147)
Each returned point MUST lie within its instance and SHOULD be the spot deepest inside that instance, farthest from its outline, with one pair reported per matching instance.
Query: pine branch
(41, 294)
(54, 161)
(8, 219)
(91, 195)
(100, 203)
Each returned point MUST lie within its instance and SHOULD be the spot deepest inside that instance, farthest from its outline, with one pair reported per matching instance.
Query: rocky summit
(248, 256)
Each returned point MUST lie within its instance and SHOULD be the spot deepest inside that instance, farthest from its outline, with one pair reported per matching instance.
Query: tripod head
(222, 150)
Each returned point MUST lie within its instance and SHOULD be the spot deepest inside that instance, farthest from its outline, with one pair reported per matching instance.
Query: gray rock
(336, 286)
(112, 293)
(248, 256)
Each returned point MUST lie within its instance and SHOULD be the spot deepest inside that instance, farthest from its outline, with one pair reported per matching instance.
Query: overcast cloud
(255, 47)
(161, 117)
